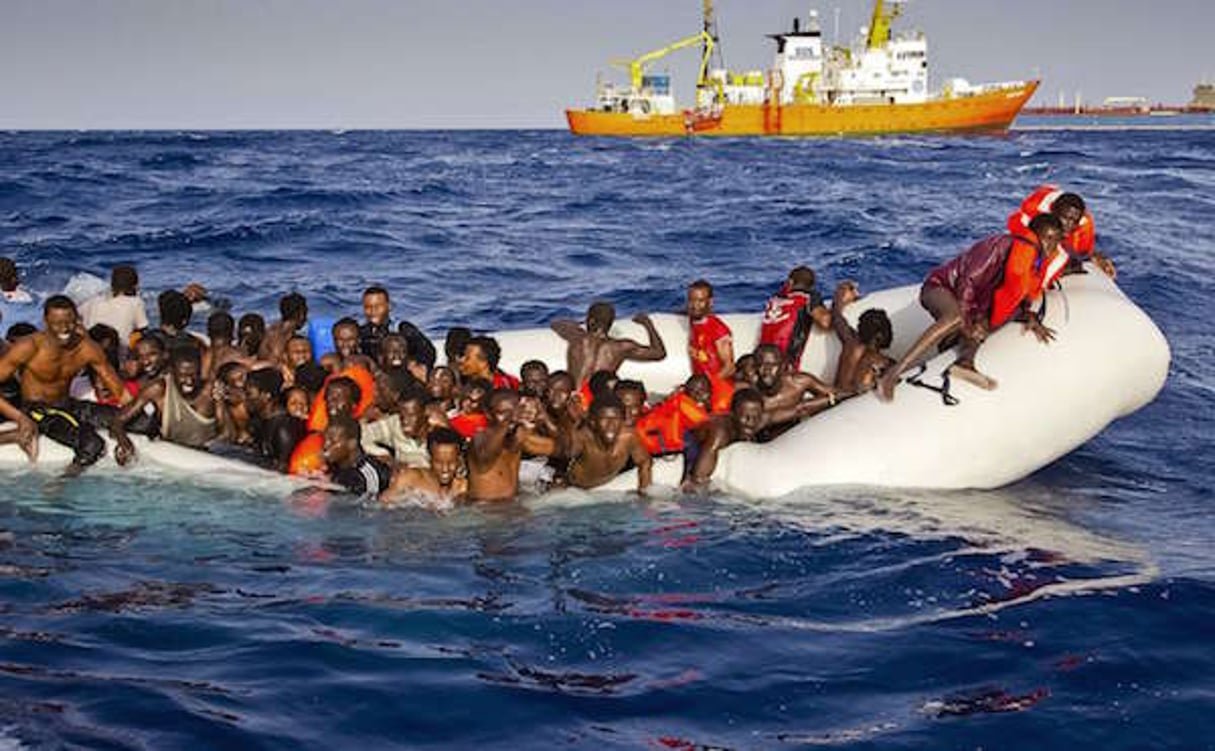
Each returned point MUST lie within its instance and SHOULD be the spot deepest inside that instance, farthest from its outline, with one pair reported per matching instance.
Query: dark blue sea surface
(1075, 609)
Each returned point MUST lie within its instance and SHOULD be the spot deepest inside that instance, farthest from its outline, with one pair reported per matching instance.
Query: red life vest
(703, 337)
(1080, 242)
(318, 418)
(505, 381)
(661, 429)
(468, 425)
(780, 321)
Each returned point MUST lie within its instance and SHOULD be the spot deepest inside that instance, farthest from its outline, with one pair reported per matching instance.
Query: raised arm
(567, 329)
(846, 293)
(653, 351)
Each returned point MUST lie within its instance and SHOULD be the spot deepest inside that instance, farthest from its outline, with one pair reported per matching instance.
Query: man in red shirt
(710, 342)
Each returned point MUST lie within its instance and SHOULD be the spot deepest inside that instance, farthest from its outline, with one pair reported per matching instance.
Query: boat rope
(947, 398)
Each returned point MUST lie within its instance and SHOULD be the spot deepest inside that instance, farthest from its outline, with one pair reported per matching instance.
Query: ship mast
(711, 43)
(879, 25)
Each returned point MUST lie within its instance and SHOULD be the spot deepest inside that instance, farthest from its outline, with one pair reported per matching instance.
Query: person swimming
(604, 447)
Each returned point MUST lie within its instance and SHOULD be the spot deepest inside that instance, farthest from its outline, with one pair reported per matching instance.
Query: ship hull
(988, 112)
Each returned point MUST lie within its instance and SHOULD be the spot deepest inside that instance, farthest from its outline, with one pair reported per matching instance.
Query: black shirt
(367, 478)
(370, 337)
(277, 436)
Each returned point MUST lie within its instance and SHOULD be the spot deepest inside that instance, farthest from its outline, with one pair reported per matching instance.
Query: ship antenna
(710, 28)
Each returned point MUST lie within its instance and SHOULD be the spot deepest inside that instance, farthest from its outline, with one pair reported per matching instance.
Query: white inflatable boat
(1109, 360)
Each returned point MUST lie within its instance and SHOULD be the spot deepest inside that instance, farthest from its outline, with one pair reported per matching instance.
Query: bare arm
(716, 437)
(652, 352)
(821, 317)
(645, 464)
(800, 411)
(106, 374)
(567, 329)
(17, 357)
(810, 382)
(124, 451)
(725, 350)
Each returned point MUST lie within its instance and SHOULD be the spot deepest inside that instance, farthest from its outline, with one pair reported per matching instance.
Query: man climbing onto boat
(1079, 230)
(46, 362)
(782, 387)
(592, 349)
(862, 351)
(979, 291)
(746, 422)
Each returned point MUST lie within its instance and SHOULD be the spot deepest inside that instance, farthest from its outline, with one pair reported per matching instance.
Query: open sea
(1075, 609)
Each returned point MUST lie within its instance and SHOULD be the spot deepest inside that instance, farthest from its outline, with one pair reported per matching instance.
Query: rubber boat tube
(1109, 360)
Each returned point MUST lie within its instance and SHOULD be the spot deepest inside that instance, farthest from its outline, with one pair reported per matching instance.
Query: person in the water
(495, 453)
(592, 348)
(183, 401)
(444, 477)
(348, 465)
(605, 446)
(977, 292)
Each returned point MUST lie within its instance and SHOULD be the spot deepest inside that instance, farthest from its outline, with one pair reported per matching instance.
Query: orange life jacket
(1080, 242)
(308, 456)
(1026, 275)
(661, 429)
(318, 418)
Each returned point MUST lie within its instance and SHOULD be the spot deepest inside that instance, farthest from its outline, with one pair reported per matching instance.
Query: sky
(79, 64)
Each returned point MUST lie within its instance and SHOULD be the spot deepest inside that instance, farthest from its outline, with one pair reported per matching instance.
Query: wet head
(769, 368)
(62, 321)
(747, 411)
(376, 306)
(700, 299)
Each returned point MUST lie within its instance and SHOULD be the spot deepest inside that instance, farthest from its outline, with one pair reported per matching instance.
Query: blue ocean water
(1073, 609)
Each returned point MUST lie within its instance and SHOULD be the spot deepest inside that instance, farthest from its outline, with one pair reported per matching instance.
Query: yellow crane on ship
(705, 39)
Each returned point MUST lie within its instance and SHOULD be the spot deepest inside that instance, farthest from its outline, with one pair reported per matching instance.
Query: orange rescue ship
(875, 87)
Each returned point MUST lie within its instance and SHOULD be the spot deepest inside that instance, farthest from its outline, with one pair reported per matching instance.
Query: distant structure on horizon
(1204, 97)
(1132, 106)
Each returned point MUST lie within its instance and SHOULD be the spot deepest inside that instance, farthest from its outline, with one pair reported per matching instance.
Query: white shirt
(123, 313)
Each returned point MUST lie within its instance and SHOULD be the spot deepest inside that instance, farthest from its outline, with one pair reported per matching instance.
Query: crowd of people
(371, 407)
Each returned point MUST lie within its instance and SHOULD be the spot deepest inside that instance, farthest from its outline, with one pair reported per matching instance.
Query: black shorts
(67, 425)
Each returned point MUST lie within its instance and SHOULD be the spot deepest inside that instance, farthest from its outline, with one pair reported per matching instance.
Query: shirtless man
(782, 389)
(861, 360)
(46, 362)
(603, 447)
(592, 349)
(294, 311)
(744, 423)
(250, 331)
(185, 406)
(494, 454)
(221, 330)
(442, 478)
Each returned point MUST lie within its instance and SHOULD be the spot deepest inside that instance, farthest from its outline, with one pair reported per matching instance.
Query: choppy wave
(1070, 610)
